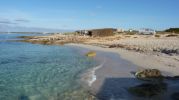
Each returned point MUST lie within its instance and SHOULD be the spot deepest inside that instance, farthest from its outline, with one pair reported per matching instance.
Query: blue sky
(88, 14)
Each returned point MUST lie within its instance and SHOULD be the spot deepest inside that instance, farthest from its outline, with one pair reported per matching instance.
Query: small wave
(89, 77)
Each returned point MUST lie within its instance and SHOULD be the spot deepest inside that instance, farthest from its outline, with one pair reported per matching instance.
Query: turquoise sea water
(40, 72)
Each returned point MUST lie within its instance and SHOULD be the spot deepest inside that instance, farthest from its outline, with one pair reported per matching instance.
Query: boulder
(148, 74)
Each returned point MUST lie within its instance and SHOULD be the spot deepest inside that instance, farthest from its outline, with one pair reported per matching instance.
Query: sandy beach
(163, 62)
(116, 73)
(119, 57)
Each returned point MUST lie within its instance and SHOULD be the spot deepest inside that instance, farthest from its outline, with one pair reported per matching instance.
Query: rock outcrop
(148, 74)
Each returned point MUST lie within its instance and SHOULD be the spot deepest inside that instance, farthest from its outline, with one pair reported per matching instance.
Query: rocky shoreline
(138, 43)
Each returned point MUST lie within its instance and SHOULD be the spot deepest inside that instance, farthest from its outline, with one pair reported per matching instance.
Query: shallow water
(40, 72)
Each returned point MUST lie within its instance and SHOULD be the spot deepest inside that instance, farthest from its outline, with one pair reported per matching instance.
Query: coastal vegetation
(173, 30)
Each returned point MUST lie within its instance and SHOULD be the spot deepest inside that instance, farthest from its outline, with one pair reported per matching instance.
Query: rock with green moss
(149, 74)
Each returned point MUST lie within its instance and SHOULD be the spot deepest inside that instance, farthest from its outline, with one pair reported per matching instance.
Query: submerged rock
(148, 90)
(91, 54)
(149, 74)
(23, 97)
(26, 37)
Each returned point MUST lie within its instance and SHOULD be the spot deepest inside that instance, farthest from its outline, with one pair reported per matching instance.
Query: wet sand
(115, 76)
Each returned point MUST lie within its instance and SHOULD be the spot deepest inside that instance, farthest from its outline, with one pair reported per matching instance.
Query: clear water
(40, 72)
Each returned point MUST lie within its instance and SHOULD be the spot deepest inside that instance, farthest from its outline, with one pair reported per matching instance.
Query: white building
(146, 31)
(120, 30)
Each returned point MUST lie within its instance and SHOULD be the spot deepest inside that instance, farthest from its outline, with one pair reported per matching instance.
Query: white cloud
(22, 20)
(32, 19)
(7, 21)
(15, 17)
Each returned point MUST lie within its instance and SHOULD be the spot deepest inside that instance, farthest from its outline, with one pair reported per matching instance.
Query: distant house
(82, 32)
(119, 30)
(98, 32)
(146, 31)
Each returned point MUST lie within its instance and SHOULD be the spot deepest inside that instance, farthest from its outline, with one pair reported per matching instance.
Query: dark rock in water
(148, 90)
(23, 97)
(26, 37)
(175, 96)
(149, 74)
(6, 61)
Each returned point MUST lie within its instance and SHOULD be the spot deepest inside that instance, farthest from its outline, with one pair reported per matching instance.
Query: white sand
(114, 77)
(166, 63)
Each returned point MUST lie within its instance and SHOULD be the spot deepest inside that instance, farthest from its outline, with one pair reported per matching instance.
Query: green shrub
(173, 30)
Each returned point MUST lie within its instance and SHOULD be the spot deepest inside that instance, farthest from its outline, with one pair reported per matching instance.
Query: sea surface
(40, 72)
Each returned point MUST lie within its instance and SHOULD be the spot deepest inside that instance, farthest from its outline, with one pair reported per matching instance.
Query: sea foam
(90, 77)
